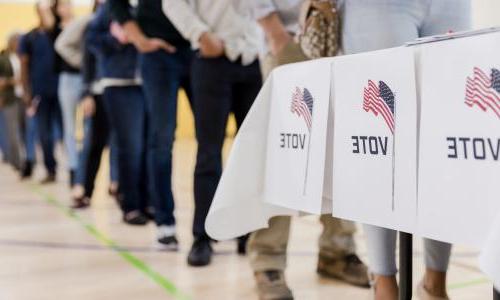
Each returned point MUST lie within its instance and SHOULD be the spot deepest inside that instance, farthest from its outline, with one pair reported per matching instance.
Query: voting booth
(406, 138)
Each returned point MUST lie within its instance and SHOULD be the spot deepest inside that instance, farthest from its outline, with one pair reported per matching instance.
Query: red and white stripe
(373, 102)
(300, 108)
(479, 92)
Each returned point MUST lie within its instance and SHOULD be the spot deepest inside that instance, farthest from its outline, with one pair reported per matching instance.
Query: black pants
(48, 117)
(219, 87)
(98, 139)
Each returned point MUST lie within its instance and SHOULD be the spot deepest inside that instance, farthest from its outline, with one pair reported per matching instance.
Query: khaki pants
(267, 247)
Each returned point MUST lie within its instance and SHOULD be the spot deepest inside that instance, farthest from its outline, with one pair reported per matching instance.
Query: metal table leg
(405, 266)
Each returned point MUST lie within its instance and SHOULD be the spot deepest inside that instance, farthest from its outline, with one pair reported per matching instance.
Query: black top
(150, 18)
(60, 64)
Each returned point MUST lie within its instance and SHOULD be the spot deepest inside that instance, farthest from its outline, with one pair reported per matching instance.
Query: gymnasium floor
(46, 252)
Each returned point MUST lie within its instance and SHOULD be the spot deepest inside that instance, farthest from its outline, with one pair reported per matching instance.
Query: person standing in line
(70, 46)
(165, 63)
(10, 100)
(225, 78)
(267, 247)
(40, 82)
(378, 24)
(125, 107)
(97, 130)
(68, 63)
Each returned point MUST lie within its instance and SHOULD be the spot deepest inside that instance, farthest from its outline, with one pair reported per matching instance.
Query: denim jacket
(116, 60)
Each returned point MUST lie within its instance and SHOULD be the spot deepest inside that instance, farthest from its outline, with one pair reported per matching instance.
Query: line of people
(124, 66)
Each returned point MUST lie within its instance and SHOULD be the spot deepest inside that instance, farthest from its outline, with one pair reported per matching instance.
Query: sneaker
(166, 238)
(349, 269)
(201, 253)
(423, 294)
(50, 178)
(135, 217)
(271, 285)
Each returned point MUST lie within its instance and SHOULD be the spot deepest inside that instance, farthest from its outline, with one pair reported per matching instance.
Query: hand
(278, 41)
(32, 107)
(143, 43)
(211, 46)
(88, 106)
(27, 99)
(154, 44)
(118, 33)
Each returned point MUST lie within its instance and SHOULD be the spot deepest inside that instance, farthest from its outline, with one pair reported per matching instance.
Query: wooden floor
(48, 253)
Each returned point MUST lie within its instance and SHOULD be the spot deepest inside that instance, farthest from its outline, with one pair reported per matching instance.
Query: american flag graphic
(380, 100)
(484, 91)
(302, 105)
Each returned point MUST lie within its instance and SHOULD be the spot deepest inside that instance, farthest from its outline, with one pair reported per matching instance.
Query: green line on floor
(126, 255)
(461, 285)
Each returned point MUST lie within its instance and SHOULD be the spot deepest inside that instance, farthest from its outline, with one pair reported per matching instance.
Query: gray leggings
(376, 24)
(382, 252)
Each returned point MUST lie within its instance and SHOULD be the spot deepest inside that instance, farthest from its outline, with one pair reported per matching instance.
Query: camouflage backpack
(319, 24)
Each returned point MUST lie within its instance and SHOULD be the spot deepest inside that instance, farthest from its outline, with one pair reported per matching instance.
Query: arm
(276, 34)
(69, 42)
(88, 69)
(185, 19)
(120, 10)
(191, 26)
(265, 12)
(89, 76)
(256, 9)
(24, 58)
(25, 79)
(6, 76)
(98, 37)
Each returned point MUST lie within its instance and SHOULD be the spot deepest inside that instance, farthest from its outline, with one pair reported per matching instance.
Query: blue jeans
(48, 118)
(163, 74)
(70, 90)
(233, 88)
(30, 136)
(125, 108)
(376, 24)
(113, 158)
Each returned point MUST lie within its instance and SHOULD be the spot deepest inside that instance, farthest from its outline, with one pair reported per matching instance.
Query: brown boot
(349, 269)
(271, 285)
(50, 178)
(80, 202)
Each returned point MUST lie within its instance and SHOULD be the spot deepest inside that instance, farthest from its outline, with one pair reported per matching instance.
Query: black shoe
(50, 178)
(150, 212)
(200, 253)
(27, 170)
(242, 244)
(135, 217)
(80, 202)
